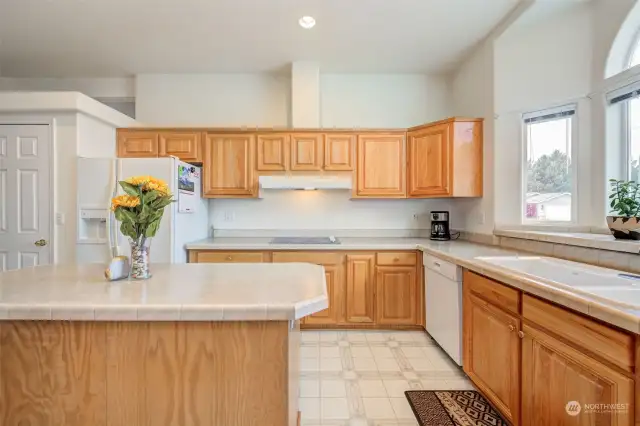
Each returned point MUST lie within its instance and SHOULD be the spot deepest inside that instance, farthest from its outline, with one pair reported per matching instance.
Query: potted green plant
(624, 224)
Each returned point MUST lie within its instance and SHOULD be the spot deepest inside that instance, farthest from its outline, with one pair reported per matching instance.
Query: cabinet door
(360, 298)
(133, 144)
(557, 382)
(333, 274)
(491, 354)
(396, 294)
(228, 166)
(185, 146)
(381, 168)
(429, 152)
(272, 152)
(339, 152)
(306, 152)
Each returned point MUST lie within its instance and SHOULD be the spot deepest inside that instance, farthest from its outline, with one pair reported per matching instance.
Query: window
(634, 53)
(627, 99)
(549, 177)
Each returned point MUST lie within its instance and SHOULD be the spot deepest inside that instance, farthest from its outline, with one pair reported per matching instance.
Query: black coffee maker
(440, 226)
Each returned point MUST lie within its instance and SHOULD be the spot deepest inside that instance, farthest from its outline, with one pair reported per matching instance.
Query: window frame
(635, 46)
(574, 166)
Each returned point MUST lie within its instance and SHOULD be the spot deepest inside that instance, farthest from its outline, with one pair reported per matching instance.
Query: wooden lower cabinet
(366, 289)
(541, 364)
(491, 353)
(360, 289)
(333, 314)
(556, 376)
(396, 294)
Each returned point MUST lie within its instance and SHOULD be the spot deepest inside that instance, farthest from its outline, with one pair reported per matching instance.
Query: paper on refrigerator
(187, 199)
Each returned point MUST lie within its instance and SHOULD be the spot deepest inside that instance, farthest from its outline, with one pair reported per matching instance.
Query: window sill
(580, 239)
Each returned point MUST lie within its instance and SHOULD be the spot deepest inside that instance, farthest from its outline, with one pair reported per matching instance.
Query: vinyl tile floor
(356, 378)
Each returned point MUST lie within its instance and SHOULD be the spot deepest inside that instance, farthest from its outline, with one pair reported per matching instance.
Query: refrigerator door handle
(112, 230)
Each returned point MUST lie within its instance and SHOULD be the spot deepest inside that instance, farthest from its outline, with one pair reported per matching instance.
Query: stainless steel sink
(304, 240)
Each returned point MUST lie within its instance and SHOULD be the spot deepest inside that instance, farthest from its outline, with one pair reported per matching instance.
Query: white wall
(326, 210)
(374, 100)
(96, 138)
(231, 100)
(543, 59)
(473, 97)
(94, 87)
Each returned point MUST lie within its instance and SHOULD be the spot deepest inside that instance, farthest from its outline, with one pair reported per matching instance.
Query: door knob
(41, 243)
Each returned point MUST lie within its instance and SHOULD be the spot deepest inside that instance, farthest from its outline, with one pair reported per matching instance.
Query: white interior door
(25, 225)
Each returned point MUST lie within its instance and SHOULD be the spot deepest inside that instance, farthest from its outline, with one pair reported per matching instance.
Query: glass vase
(140, 248)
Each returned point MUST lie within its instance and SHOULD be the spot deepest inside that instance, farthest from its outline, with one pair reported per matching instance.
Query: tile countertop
(175, 292)
(465, 254)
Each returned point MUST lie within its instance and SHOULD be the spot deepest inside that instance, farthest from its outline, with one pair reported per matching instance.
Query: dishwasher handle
(447, 269)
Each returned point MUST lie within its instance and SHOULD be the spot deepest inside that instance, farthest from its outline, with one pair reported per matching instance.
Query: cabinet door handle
(512, 327)
(228, 257)
(396, 259)
(521, 334)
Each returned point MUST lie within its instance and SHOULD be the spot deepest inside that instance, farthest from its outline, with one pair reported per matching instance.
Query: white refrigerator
(99, 237)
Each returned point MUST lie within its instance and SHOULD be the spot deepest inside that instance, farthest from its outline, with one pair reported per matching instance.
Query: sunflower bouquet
(139, 212)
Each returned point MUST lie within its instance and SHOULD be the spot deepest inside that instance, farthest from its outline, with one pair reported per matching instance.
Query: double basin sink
(610, 286)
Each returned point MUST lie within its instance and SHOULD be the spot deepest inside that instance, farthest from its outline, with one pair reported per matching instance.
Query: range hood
(305, 182)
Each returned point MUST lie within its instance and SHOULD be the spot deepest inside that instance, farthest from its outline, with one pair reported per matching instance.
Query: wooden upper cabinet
(396, 294)
(272, 152)
(306, 151)
(137, 144)
(381, 167)
(339, 152)
(555, 375)
(491, 354)
(184, 145)
(360, 285)
(228, 166)
(445, 159)
(429, 154)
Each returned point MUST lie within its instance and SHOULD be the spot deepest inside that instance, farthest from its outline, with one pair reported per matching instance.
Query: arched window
(634, 52)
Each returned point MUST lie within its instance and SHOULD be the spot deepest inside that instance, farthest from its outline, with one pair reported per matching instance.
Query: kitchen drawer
(396, 259)
(317, 258)
(498, 294)
(229, 257)
(444, 268)
(608, 343)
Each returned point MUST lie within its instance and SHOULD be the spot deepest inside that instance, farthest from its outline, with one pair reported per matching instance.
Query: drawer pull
(396, 259)
(511, 327)
(521, 334)
(228, 257)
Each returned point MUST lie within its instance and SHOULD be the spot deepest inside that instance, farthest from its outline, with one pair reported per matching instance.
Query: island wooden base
(148, 373)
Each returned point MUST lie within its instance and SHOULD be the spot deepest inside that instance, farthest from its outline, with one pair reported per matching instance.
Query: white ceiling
(110, 38)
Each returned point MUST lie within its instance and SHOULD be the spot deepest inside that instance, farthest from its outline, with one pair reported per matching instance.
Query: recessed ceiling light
(307, 22)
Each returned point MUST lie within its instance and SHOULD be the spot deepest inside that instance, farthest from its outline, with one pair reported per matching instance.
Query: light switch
(60, 219)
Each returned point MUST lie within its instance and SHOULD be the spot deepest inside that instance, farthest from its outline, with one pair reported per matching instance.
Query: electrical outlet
(228, 216)
(60, 219)
(415, 217)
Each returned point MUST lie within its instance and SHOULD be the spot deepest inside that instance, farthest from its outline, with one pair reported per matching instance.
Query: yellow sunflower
(138, 180)
(124, 201)
(154, 184)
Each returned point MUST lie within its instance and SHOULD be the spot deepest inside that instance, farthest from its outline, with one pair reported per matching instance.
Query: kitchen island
(196, 344)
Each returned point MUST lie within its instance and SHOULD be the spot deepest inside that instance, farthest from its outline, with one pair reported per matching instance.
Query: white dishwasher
(443, 303)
